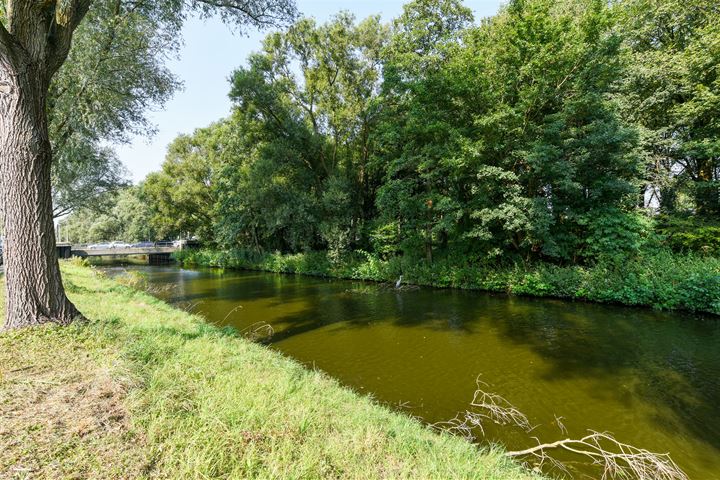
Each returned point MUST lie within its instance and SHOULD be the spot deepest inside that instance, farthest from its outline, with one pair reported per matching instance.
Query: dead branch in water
(615, 459)
(488, 406)
(497, 409)
(258, 331)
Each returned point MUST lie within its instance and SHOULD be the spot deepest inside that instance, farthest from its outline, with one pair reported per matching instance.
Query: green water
(650, 378)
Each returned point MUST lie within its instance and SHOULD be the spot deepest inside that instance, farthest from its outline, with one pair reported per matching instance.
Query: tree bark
(34, 289)
(707, 196)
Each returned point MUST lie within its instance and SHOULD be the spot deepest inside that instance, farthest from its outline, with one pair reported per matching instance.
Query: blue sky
(210, 54)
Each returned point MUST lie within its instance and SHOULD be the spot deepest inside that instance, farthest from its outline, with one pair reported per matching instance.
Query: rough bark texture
(32, 48)
(34, 288)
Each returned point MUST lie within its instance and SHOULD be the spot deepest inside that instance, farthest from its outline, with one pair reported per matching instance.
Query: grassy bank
(143, 390)
(662, 280)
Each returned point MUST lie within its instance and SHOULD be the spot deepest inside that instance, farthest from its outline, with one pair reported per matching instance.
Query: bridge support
(64, 250)
(160, 258)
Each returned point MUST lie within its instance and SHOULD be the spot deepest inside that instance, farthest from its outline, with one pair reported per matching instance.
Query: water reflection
(650, 378)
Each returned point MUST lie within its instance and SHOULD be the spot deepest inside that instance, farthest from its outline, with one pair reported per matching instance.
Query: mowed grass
(143, 390)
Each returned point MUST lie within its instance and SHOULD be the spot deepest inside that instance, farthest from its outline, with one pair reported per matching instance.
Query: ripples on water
(650, 378)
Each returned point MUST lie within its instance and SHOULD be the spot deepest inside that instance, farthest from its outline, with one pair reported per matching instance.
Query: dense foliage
(126, 218)
(662, 280)
(565, 133)
(115, 73)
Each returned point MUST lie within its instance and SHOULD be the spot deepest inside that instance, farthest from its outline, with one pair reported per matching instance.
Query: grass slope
(143, 390)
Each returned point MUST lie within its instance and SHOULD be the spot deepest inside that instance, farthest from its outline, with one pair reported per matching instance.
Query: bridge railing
(109, 246)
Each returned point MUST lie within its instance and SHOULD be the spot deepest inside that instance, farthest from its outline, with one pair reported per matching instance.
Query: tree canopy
(553, 131)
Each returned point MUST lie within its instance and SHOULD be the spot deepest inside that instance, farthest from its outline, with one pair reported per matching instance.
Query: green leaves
(311, 97)
(115, 72)
(182, 195)
(533, 135)
(671, 90)
(512, 125)
(125, 217)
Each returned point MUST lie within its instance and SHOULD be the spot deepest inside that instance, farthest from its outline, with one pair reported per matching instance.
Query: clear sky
(210, 54)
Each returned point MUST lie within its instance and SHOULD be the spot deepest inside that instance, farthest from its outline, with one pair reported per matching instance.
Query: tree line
(561, 131)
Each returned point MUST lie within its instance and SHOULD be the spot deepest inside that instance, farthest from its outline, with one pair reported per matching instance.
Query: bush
(690, 235)
(616, 235)
(660, 279)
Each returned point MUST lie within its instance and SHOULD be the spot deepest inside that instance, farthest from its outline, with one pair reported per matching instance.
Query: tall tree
(421, 125)
(35, 40)
(310, 180)
(114, 74)
(126, 217)
(181, 196)
(500, 139)
(672, 92)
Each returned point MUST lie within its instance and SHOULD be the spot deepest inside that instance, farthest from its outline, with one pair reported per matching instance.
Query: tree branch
(259, 18)
(268, 14)
(66, 21)
(613, 458)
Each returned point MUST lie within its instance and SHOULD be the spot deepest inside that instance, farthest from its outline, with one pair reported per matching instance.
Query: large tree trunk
(34, 290)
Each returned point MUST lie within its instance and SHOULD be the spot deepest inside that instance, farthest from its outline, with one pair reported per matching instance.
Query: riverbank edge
(662, 281)
(144, 390)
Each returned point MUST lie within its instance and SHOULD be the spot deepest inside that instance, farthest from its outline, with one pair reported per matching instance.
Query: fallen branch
(258, 331)
(615, 459)
(497, 409)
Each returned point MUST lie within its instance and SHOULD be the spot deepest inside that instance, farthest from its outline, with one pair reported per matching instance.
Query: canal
(652, 379)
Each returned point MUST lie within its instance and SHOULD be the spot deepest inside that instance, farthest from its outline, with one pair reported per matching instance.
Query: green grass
(659, 279)
(143, 390)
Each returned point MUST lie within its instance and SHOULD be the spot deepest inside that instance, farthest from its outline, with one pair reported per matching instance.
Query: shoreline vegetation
(662, 280)
(144, 390)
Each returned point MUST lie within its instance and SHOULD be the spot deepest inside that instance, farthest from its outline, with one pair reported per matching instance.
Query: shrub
(661, 279)
(690, 235)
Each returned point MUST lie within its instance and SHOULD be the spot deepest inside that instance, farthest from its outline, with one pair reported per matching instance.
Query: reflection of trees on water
(672, 359)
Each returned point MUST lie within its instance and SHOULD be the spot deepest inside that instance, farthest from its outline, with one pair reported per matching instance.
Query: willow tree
(35, 40)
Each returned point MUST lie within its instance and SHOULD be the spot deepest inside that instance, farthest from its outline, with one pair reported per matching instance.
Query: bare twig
(560, 424)
(497, 409)
(191, 306)
(614, 458)
(239, 307)
(258, 331)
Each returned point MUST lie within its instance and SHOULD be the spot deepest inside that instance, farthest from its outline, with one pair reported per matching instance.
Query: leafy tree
(421, 127)
(672, 92)
(309, 177)
(115, 72)
(550, 67)
(181, 196)
(86, 178)
(510, 143)
(127, 218)
(35, 41)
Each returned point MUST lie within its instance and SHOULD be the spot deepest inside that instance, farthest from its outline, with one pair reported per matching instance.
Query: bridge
(160, 253)
(156, 255)
(81, 251)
